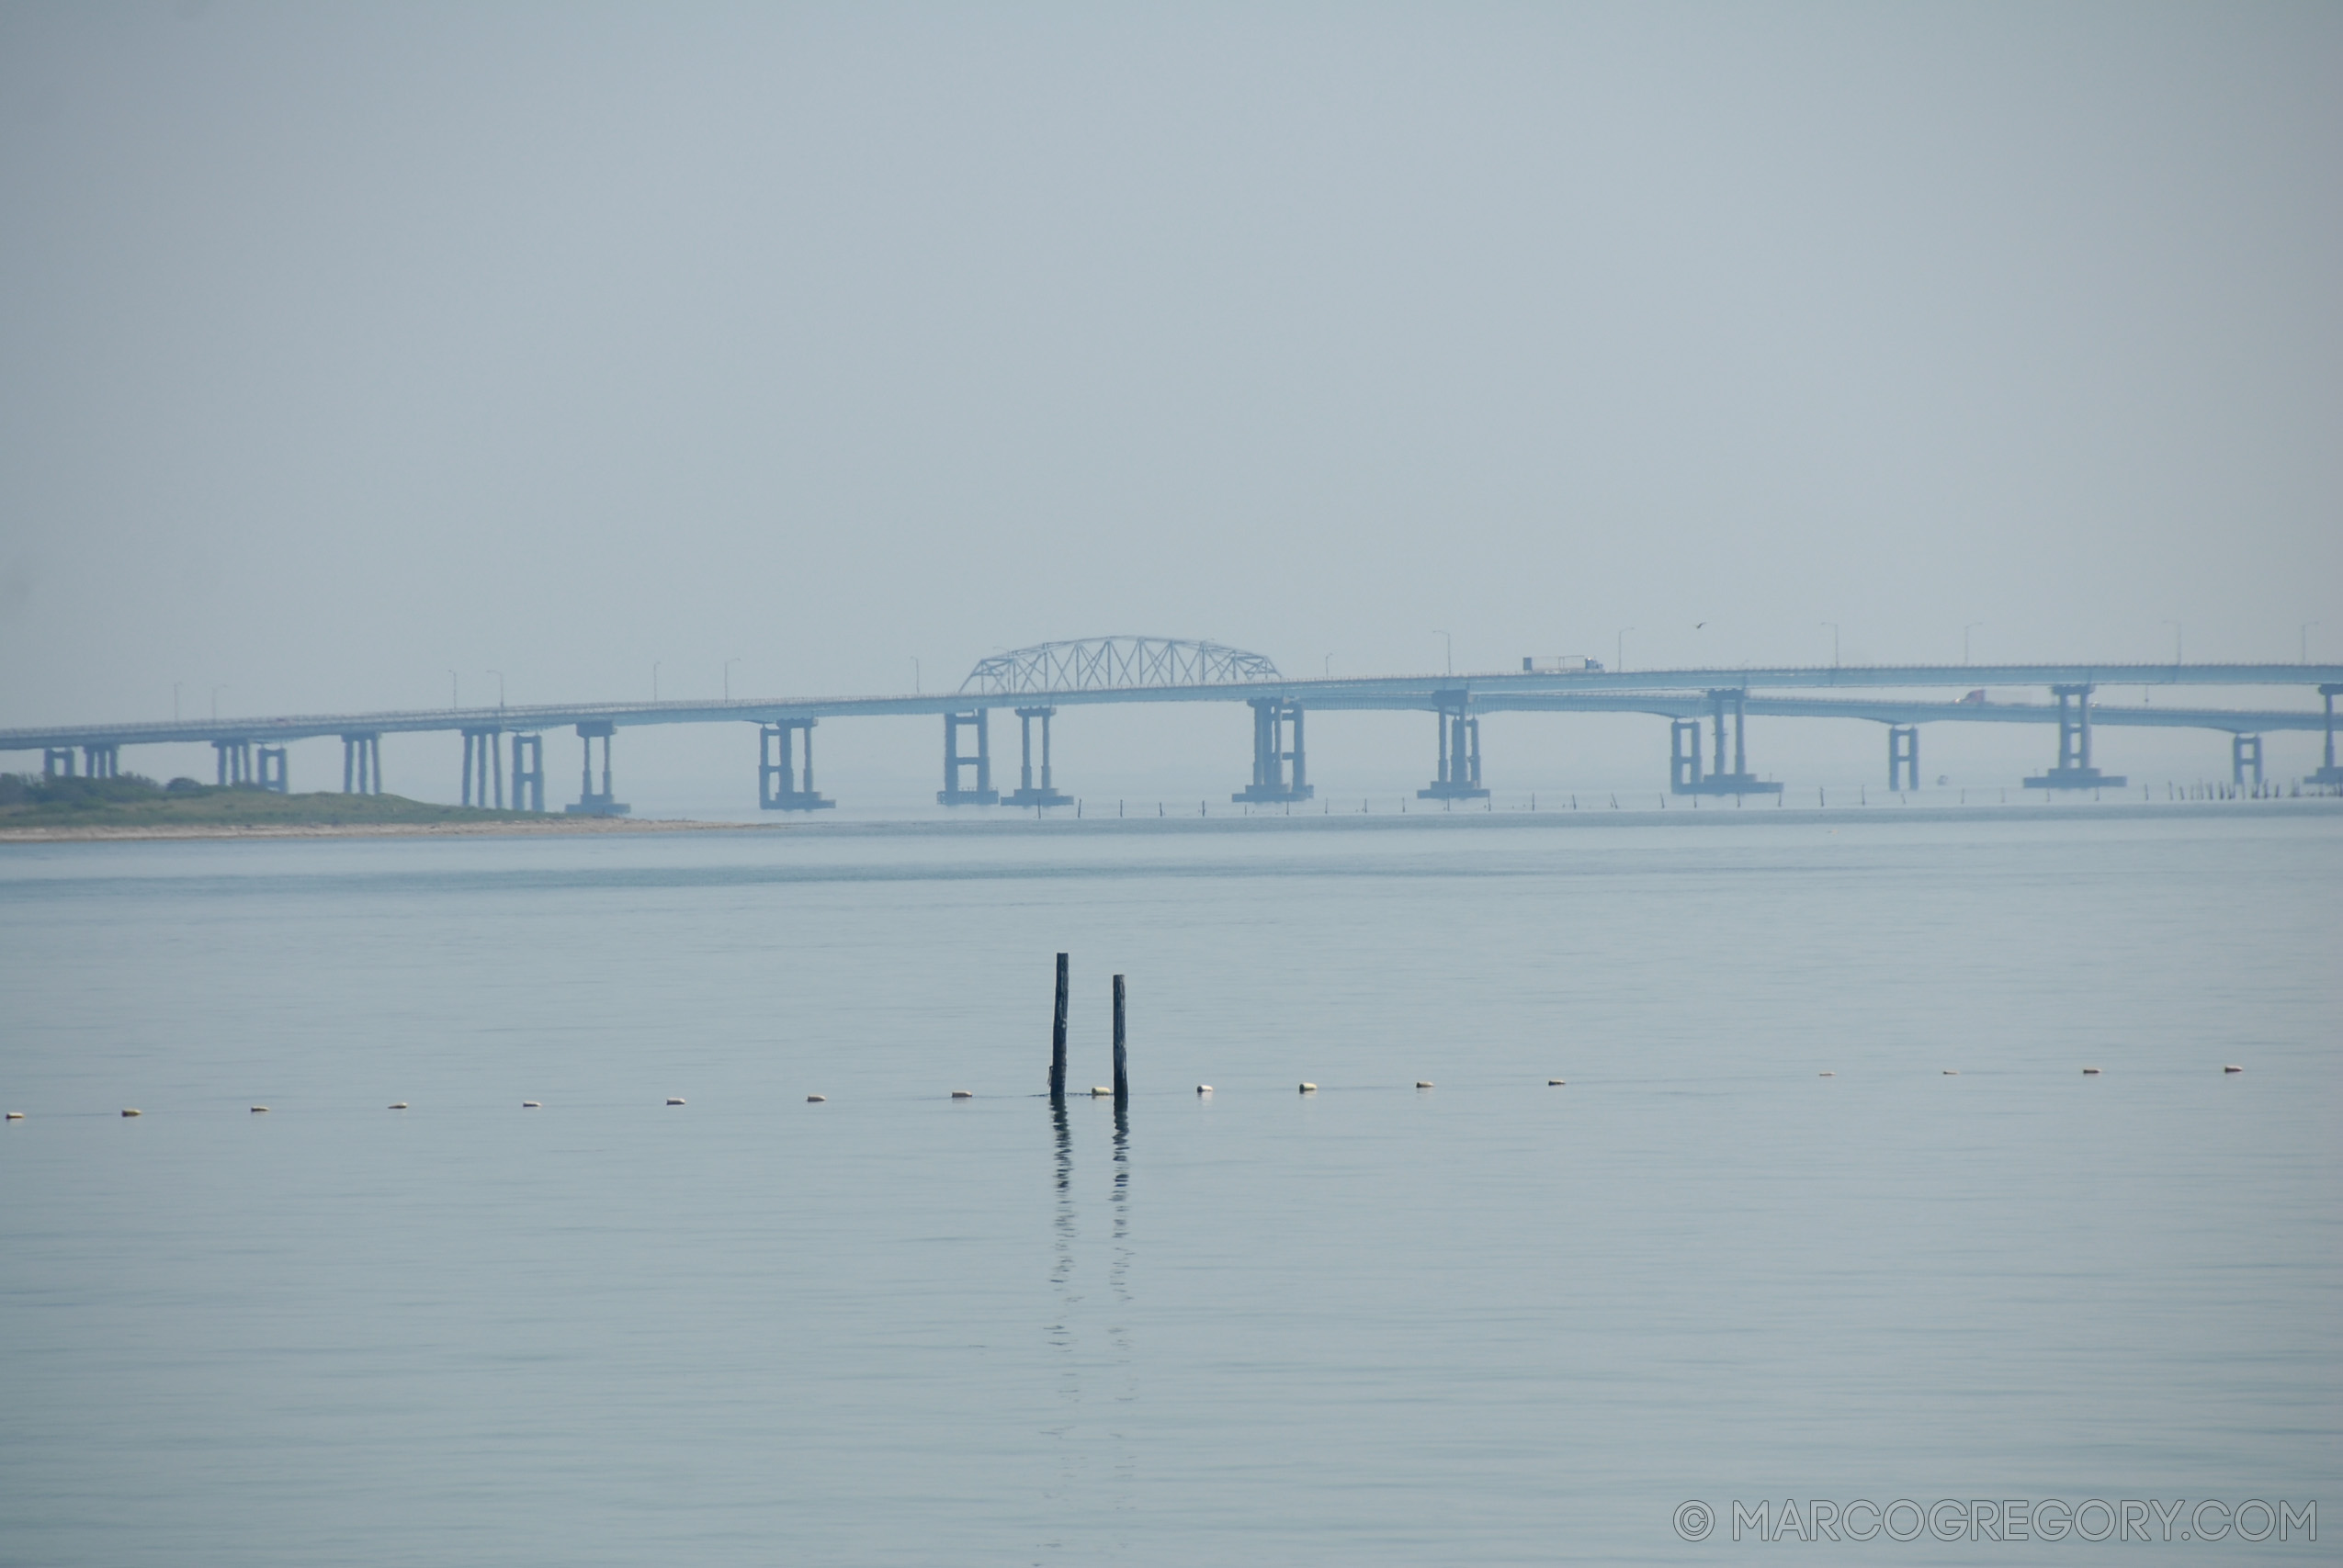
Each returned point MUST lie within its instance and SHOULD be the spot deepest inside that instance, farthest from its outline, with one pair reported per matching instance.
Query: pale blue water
(1491, 1321)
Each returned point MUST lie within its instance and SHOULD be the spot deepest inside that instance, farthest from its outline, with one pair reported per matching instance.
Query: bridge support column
(1025, 794)
(235, 762)
(957, 765)
(1903, 756)
(1686, 778)
(362, 763)
(1281, 762)
(593, 801)
(484, 768)
(1683, 756)
(2245, 757)
(528, 773)
(2331, 773)
(102, 761)
(270, 773)
(57, 762)
(778, 785)
(2074, 770)
(1459, 736)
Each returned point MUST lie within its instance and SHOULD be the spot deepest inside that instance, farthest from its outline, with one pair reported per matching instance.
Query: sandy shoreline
(549, 827)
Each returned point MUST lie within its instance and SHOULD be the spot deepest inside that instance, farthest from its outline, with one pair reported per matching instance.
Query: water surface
(1489, 1322)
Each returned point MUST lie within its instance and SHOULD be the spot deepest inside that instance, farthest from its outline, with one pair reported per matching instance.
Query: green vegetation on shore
(27, 800)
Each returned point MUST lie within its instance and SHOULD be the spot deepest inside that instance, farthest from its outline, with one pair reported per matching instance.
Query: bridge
(1707, 709)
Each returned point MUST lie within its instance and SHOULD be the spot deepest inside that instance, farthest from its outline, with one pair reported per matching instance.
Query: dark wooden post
(1122, 1073)
(1058, 1038)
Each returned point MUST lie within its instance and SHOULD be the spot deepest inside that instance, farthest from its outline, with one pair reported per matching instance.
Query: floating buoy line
(1097, 1091)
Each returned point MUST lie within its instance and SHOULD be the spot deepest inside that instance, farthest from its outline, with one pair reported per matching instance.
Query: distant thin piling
(1058, 1038)
(1122, 1058)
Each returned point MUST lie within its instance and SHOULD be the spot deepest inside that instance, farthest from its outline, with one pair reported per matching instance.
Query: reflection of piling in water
(1058, 1038)
(1122, 1060)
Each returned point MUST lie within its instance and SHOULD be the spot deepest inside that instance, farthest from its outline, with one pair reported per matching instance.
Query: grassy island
(131, 801)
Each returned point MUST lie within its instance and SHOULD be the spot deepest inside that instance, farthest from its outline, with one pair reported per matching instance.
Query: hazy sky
(343, 346)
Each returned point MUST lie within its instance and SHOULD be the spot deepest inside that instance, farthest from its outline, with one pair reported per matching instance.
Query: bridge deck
(1670, 693)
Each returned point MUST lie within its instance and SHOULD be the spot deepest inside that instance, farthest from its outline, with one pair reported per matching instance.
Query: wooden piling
(1058, 1038)
(1122, 1060)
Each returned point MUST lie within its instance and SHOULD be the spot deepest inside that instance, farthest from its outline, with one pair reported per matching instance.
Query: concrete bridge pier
(528, 773)
(1685, 743)
(102, 761)
(2074, 770)
(483, 767)
(1903, 756)
(778, 785)
(57, 762)
(269, 769)
(1459, 729)
(1025, 794)
(235, 762)
(592, 802)
(362, 763)
(1281, 762)
(1683, 756)
(2331, 773)
(957, 765)
(2245, 756)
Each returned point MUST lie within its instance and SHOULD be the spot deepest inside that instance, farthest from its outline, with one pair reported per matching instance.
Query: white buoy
(1204, 1088)
(260, 1109)
(133, 1112)
(398, 1105)
(1309, 1089)
(2232, 1070)
(817, 1098)
(673, 1100)
(962, 1094)
(1097, 1089)
(2091, 1072)
(532, 1105)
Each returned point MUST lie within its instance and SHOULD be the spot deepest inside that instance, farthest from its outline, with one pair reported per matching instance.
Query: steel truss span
(1115, 664)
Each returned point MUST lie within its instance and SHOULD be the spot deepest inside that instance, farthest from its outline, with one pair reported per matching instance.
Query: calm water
(1489, 1322)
